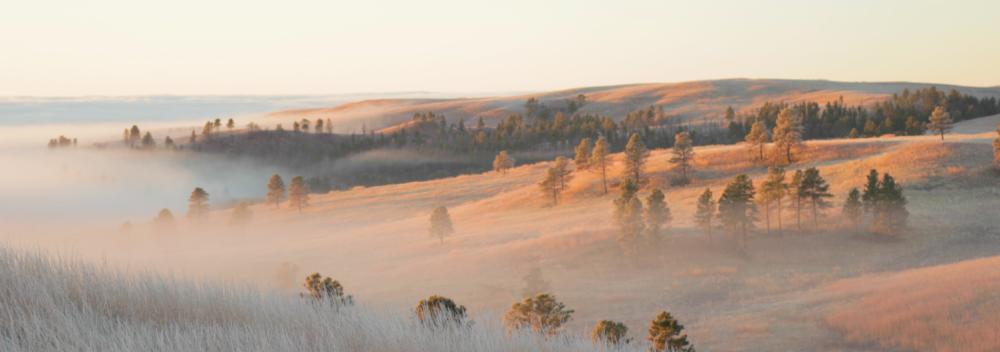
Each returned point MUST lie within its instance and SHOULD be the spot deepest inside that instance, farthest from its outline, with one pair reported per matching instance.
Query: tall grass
(55, 304)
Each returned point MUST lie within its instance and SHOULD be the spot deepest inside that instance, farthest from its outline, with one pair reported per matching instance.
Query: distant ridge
(688, 101)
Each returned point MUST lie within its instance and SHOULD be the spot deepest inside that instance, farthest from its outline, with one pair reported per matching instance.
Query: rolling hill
(687, 101)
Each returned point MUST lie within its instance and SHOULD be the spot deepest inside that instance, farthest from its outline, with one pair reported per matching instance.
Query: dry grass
(954, 307)
(63, 305)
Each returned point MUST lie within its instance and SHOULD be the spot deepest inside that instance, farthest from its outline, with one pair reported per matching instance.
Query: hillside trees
(815, 190)
(940, 121)
(628, 216)
(610, 333)
(736, 208)
(705, 212)
(438, 311)
(657, 214)
(556, 179)
(198, 204)
(666, 334)
(757, 139)
(441, 225)
(787, 135)
(773, 191)
(542, 314)
(683, 154)
(298, 193)
(582, 158)
(852, 210)
(891, 214)
(796, 197)
(503, 162)
(599, 161)
(275, 190)
(635, 160)
(324, 290)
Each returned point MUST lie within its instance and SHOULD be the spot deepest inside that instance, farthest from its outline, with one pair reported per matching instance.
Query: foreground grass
(65, 305)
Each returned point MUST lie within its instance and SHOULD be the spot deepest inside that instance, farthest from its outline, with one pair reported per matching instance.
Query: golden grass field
(824, 288)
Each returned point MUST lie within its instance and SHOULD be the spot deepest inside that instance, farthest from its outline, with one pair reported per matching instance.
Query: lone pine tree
(441, 225)
(683, 155)
(666, 334)
(705, 212)
(275, 190)
(599, 161)
(298, 193)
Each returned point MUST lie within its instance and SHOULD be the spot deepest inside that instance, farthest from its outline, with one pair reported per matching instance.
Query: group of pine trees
(906, 113)
(62, 142)
(739, 208)
(881, 206)
(297, 192)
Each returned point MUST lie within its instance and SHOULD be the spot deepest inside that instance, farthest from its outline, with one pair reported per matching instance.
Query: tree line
(907, 113)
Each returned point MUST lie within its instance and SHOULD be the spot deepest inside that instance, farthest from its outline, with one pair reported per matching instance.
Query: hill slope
(687, 101)
(509, 242)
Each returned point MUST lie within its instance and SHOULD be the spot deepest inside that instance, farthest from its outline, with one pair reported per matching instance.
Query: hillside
(374, 240)
(687, 100)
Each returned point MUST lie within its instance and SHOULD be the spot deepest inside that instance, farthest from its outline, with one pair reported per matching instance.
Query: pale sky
(134, 47)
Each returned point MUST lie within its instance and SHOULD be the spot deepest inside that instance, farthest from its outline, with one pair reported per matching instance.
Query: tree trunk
(798, 213)
(767, 216)
(779, 217)
(604, 177)
(762, 151)
(815, 216)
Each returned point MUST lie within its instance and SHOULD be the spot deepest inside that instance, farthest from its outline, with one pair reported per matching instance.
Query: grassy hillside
(375, 241)
(66, 305)
(687, 100)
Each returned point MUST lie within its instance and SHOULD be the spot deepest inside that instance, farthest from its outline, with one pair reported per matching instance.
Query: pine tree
(796, 197)
(628, 217)
(230, 124)
(773, 191)
(441, 226)
(542, 314)
(582, 159)
(635, 159)
(324, 290)
(870, 197)
(706, 212)
(891, 214)
(440, 312)
(198, 204)
(556, 179)
(168, 142)
(657, 214)
(940, 121)
(609, 333)
(193, 139)
(134, 135)
(666, 335)
(683, 155)
(757, 139)
(599, 161)
(298, 193)
(164, 221)
(815, 190)
(275, 190)
(736, 207)
(148, 142)
(502, 162)
(787, 135)
(852, 210)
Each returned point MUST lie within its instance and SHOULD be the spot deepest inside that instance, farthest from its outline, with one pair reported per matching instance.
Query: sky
(186, 47)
